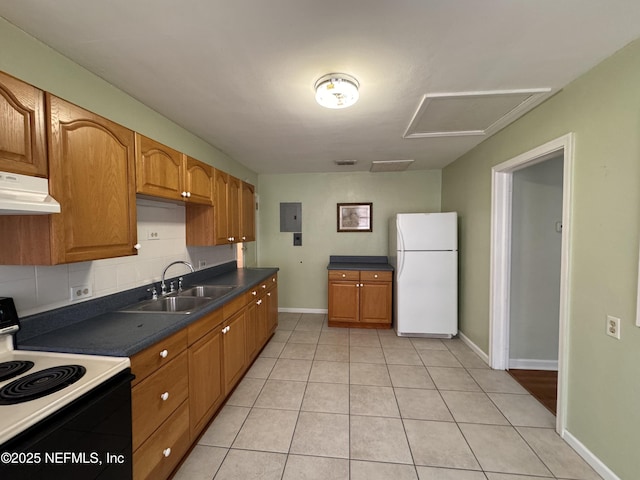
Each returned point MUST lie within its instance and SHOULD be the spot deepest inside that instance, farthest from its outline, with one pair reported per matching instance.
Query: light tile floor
(338, 404)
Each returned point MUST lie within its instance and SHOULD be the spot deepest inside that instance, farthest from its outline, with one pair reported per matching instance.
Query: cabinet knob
(164, 353)
(183, 194)
(375, 275)
(344, 275)
(269, 294)
(264, 286)
(166, 452)
(164, 396)
(259, 302)
(244, 238)
(188, 194)
(137, 246)
(254, 293)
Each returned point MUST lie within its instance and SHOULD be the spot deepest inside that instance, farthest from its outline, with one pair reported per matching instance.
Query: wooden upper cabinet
(220, 205)
(248, 213)
(233, 208)
(159, 170)
(22, 128)
(166, 173)
(198, 181)
(92, 175)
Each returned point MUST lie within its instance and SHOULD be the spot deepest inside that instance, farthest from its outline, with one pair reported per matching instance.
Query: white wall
(40, 288)
(535, 265)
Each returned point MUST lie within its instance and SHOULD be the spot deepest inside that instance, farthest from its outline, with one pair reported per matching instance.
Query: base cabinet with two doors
(182, 380)
(360, 298)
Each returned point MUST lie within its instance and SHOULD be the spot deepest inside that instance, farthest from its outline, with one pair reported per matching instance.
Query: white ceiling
(240, 73)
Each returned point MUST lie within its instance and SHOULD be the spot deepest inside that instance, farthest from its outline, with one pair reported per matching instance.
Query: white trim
(476, 349)
(598, 465)
(501, 260)
(533, 364)
(303, 310)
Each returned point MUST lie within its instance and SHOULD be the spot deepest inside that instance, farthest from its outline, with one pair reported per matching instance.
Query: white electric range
(34, 385)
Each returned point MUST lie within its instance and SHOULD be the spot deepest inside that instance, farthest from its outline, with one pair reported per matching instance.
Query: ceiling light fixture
(337, 90)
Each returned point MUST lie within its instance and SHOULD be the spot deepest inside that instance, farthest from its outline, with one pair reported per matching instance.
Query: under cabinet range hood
(25, 195)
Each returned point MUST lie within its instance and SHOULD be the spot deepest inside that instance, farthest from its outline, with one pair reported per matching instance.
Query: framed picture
(355, 217)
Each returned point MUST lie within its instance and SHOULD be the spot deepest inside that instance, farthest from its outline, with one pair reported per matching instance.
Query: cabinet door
(92, 175)
(221, 219)
(343, 301)
(272, 310)
(206, 389)
(253, 331)
(248, 213)
(234, 349)
(233, 208)
(198, 182)
(375, 302)
(158, 169)
(22, 128)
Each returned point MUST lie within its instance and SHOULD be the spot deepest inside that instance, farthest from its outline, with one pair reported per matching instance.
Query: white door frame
(501, 199)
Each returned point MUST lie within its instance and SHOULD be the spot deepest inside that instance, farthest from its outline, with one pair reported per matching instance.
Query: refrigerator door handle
(400, 262)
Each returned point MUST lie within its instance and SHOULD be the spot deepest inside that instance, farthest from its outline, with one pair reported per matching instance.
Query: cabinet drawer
(199, 329)
(236, 304)
(376, 276)
(155, 398)
(154, 357)
(159, 455)
(344, 275)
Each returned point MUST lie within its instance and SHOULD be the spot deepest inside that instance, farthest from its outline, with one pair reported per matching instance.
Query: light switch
(297, 239)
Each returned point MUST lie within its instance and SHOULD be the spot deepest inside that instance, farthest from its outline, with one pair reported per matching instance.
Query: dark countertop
(123, 334)
(357, 262)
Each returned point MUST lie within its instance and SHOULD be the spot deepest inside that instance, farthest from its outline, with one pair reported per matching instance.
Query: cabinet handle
(225, 329)
(137, 246)
(344, 275)
(375, 275)
(269, 294)
(273, 279)
(183, 194)
(166, 452)
(259, 302)
(164, 396)
(188, 194)
(164, 353)
(244, 238)
(264, 286)
(254, 293)
(228, 328)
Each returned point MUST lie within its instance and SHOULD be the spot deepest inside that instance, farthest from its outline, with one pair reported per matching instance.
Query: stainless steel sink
(208, 291)
(176, 304)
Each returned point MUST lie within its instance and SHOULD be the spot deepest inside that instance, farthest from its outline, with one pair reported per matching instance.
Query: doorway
(502, 260)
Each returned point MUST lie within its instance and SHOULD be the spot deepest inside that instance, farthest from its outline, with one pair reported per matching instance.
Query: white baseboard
(533, 364)
(303, 310)
(588, 456)
(476, 349)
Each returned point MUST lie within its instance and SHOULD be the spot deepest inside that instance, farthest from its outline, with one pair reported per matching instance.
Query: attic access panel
(471, 113)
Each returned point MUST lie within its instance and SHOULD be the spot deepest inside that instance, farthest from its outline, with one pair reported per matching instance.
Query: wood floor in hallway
(542, 384)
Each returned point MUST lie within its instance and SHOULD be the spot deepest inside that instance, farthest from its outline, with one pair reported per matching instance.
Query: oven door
(90, 438)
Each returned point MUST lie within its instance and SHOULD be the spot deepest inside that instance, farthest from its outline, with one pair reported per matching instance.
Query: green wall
(303, 270)
(603, 109)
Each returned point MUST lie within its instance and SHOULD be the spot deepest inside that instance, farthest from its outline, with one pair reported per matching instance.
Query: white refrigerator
(423, 249)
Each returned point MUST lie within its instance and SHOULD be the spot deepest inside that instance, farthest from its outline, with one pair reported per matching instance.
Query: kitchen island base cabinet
(360, 299)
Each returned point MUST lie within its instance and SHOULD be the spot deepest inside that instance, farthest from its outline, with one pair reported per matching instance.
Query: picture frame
(355, 217)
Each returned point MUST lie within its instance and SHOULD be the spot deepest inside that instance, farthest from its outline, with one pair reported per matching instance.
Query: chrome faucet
(163, 287)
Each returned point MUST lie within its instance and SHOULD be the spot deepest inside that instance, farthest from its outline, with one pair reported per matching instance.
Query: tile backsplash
(161, 234)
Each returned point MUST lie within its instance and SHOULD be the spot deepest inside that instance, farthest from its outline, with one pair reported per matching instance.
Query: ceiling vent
(345, 163)
(390, 165)
(472, 113)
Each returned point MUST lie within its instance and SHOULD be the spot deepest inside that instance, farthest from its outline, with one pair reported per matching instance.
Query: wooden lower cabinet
(182, 381)
(159, 455)
(360, 298)
(206, 391)
(234, 349)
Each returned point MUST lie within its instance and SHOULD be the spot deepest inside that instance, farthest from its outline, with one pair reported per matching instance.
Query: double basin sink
(182, 302)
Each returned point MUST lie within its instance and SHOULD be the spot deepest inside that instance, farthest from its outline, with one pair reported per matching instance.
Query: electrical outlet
(613, 327)
(81, 292)
(202, 264)
(153, 235)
